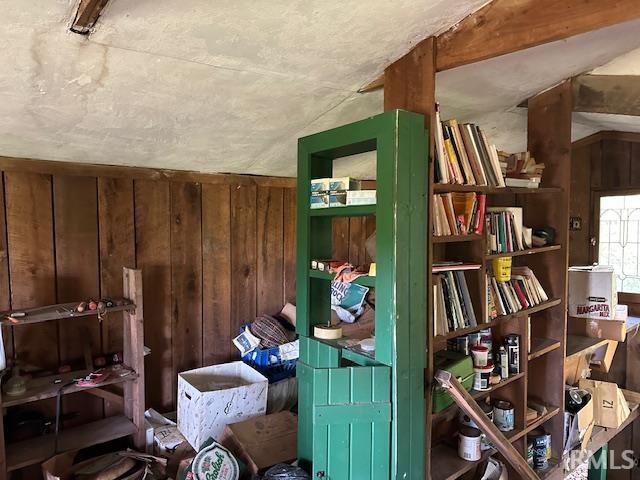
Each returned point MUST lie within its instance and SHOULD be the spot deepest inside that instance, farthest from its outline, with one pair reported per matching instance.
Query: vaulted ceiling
(229, 86)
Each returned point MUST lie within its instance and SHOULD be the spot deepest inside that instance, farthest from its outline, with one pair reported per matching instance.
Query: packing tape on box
(327, 332)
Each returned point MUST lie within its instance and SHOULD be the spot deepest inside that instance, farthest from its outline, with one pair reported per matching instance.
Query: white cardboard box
(210, 398)
(592, 292)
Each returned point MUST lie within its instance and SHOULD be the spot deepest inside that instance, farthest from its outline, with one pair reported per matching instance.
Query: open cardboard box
(579, 427)
(610, 407)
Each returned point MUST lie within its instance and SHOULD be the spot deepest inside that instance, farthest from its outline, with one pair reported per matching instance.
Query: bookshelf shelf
(521, 253)
(349, 211)
(472, 237)
(542, 346)
(366, 280)
(448, 188)
(479, 394)
(441, 340)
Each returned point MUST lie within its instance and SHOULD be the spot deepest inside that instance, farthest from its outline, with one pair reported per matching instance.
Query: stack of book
(523, 171)
(464, 156)
(458, 213)
(504, 230)
(452, 306)
(521, 292)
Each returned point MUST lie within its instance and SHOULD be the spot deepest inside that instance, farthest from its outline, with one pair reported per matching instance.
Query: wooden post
(134, 353)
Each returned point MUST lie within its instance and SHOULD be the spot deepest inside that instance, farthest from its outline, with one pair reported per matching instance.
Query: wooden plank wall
(214, 250)
(609, 163)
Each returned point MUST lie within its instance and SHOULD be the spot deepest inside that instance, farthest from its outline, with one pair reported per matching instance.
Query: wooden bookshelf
(540, 379)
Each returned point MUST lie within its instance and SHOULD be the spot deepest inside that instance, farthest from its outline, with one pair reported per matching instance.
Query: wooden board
(270, 253)
(503, 26)
(117, 248)
(616, 163)
(31, 262)
(216, 274)
(186, 276)
(340, 238)
(243, 255)
(153, 257)
(289, 240)
(5, 292)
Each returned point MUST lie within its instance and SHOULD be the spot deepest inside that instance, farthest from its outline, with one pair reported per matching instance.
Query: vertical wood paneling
(340, 238)
(270, 260)
(75, 206)
(616, 163)
(31, 262)
(243, 255)
(153, 256)
(216, 274)
(356, 241)
(5, 292)
(634, 177)
(117, 249)
(186, 276)
(289, 240)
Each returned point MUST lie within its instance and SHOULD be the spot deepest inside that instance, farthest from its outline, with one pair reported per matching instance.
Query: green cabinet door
(349, 412)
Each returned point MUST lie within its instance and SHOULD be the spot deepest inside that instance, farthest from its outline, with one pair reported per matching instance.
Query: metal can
(469, 444)
(512, 343)
(503, 415)
(541, 446)
(466, 421)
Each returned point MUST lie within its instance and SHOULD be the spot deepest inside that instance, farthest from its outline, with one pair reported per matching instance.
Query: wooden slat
(216, 274)
(186, 276)
(616, 164)
(87, 15)
(117, 249)
(356, 240)
(31, 262)
(504, 26)
(153, 257)
(613, 94)
(5, 293)
(289, 239)
(340, 238)
(270, 254)
(28, 165)
(243, 255)
(75, 205)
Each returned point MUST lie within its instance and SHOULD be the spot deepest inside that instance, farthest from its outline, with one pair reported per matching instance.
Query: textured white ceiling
(230, 86)
(211, 86)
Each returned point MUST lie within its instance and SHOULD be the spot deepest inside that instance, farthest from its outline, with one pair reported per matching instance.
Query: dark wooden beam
(87, 15)
(615, 94)
(506, 26)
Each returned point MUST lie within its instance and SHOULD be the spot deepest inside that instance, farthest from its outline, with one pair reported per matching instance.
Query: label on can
(513, 352)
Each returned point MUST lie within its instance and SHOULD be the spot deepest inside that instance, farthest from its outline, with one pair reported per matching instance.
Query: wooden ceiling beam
(87, 15)
(507, 26)
(614, 94)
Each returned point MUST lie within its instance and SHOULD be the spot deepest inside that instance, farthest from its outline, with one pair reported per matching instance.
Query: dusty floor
(579, 473)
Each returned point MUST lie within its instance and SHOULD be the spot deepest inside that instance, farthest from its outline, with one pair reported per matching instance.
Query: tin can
(466, 421)
(469, 440)
(512, 343)
(482, 379)
(541, 449)
(503, 415)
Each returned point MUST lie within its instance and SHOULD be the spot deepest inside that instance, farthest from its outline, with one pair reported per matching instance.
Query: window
(619, 239)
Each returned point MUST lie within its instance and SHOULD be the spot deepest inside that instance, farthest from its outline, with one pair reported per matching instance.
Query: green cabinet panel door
(363, 416)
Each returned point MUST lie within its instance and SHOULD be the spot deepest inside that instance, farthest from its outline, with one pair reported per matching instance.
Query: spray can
(513, 351)
(504, 362)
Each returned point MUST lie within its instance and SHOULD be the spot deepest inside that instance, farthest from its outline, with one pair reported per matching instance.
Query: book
(458, 213)
(461, 152)
(454, 266)
(453, 307)
(504, 230)
(521, 292)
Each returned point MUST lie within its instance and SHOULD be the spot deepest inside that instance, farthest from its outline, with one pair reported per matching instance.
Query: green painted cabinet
(362, 417)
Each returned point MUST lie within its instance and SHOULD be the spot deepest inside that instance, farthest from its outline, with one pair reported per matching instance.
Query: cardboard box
(576, 368)
(578, 427)
(261, 442)
(615, 329)
(210, 398)
(610, 408)
(592, 292)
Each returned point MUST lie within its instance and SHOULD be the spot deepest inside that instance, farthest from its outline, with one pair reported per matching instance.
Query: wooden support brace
(87, 15)
(471, 408)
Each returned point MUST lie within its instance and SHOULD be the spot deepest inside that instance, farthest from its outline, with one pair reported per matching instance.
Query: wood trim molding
(87, 15)
(138, 173)
(607, 135)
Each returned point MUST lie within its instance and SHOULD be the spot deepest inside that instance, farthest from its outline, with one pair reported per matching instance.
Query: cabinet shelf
(542, 346)
(472, 237)
(446, 188)
(366, 280)
(347, 211)
(60, 311)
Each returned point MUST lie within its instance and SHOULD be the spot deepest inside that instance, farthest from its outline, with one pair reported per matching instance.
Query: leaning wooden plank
(466, 402)
(153, 256)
